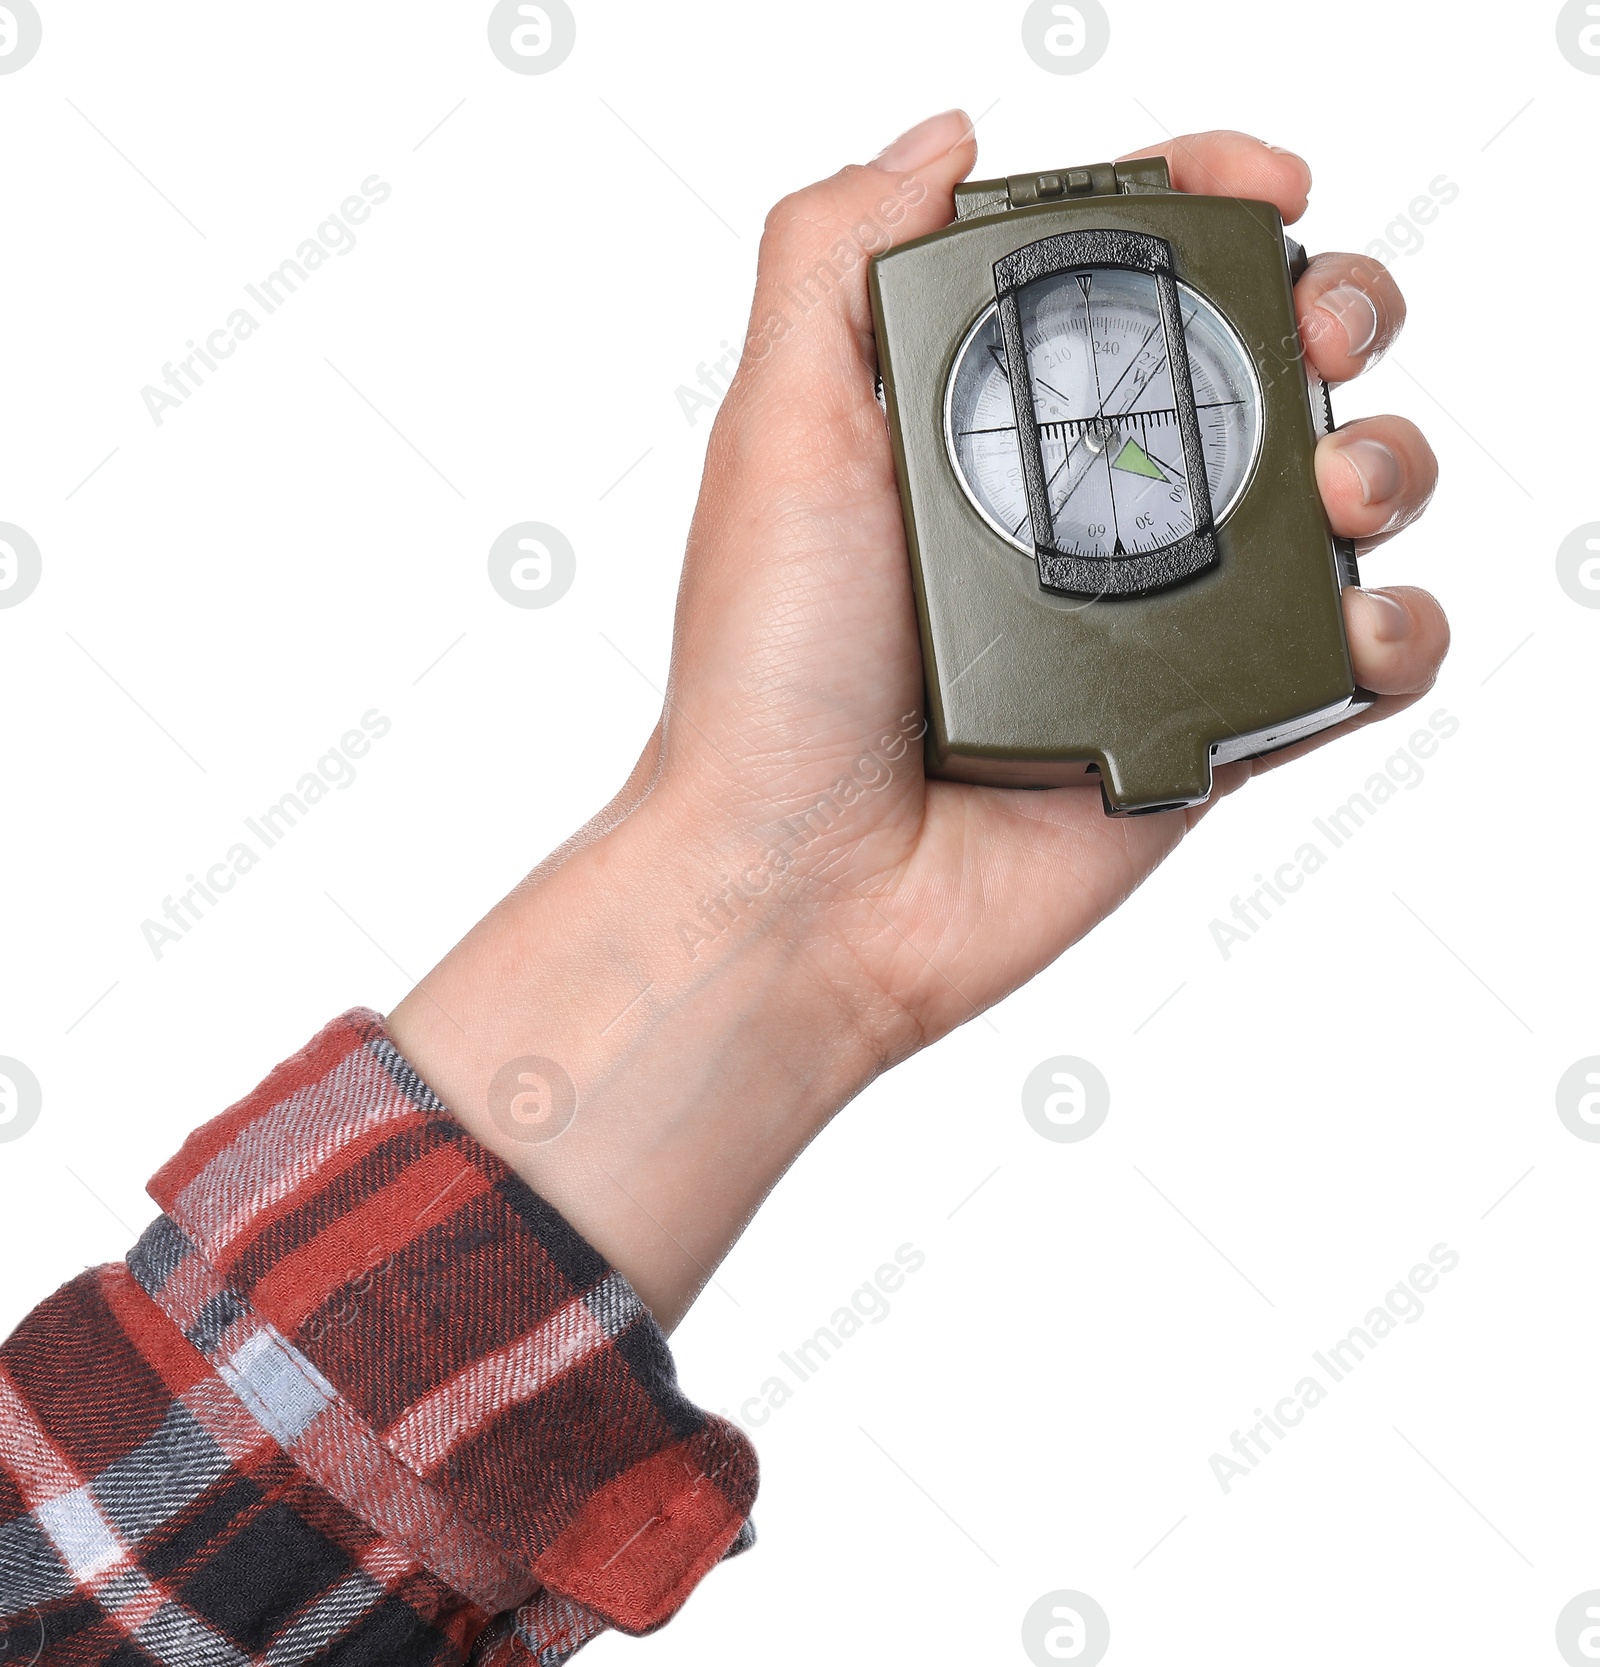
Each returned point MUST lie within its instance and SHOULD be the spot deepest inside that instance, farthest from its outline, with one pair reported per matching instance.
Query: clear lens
(1104, 400)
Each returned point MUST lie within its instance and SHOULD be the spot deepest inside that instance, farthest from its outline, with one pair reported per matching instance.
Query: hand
(796, 649)
(778, 905)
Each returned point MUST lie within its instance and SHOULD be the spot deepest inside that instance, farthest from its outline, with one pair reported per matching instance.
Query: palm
(950, 895)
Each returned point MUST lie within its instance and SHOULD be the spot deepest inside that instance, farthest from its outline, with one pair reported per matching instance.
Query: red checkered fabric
(357, 1397)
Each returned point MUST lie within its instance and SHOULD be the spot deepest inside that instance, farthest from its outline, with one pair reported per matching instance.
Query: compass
(1107, 413)
(1104, 432)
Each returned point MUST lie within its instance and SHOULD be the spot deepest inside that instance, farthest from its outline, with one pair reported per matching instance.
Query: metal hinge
(1102, 179)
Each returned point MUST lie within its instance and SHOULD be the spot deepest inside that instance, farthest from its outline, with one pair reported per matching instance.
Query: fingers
(811, 277)
(1398, 638)
(1350, 308)
(1350, 312)
(1376, 476)
(928, 143)
(1226, 164)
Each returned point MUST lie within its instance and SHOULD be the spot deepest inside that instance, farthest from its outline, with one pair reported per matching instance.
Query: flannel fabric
(357, 1397)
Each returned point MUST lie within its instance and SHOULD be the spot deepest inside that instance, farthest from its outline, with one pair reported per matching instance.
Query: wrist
(690, 995)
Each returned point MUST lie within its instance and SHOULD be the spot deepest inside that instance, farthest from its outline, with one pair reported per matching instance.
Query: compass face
(1107, 413)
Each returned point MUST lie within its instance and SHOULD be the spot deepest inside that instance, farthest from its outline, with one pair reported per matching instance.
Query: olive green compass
(1104, 431)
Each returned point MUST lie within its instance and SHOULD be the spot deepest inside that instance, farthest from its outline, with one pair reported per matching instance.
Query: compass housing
(1145, 669)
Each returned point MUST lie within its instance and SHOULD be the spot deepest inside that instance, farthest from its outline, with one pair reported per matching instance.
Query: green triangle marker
(1133, 459)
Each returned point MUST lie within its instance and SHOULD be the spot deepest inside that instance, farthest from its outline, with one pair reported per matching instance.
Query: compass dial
(1107, 412)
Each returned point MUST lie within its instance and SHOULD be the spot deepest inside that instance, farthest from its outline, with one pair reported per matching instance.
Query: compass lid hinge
(1100, 179)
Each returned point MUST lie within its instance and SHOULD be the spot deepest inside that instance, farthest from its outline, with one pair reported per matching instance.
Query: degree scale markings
(1069, 422)
(1142, 383)
(1109, 391)
(1017, 530)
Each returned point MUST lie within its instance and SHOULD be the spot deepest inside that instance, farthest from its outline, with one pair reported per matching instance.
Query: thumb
(811, 278)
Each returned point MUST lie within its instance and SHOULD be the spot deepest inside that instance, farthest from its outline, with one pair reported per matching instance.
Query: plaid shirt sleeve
(357, 1397)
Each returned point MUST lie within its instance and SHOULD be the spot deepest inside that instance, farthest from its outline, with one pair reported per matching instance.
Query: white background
(1363, 1079)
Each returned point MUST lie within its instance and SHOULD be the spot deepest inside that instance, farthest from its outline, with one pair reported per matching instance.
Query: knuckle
(783, 217)
(818, 216)
(806, 213)
(779, 236)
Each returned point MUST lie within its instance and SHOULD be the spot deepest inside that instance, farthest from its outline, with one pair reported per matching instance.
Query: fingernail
(1376, 467)
(1390, 620)
(924, 143)
(1353, 310)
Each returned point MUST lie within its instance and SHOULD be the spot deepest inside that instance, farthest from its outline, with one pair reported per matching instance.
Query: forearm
(682, 984)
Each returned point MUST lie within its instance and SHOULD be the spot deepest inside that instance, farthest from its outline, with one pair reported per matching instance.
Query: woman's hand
(796, 652)
(778, 905)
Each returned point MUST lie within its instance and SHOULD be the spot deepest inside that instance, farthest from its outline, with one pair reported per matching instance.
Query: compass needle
(1133, 459)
